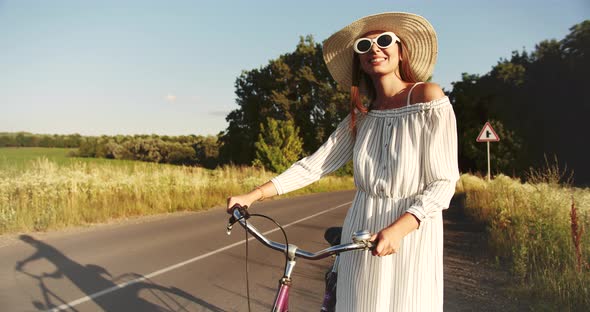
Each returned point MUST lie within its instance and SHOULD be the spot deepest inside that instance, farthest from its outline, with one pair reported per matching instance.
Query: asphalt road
(186, 262)
(181, 262)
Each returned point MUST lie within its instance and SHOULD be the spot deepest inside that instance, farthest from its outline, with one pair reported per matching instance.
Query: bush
(278, 145)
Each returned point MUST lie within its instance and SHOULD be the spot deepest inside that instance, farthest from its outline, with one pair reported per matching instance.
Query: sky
(169, 67)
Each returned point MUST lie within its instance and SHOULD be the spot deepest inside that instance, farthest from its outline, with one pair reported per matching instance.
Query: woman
(404, 147)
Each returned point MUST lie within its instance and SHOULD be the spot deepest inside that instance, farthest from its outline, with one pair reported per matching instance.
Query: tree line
(538, 103)
(178, 150)
(26, 139)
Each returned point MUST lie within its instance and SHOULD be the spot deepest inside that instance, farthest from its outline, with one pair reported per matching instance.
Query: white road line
(101, 293)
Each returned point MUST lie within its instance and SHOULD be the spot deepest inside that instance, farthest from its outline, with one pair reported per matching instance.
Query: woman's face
(379, 61)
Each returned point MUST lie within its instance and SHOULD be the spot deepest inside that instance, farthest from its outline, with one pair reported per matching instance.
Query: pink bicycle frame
(282, 300)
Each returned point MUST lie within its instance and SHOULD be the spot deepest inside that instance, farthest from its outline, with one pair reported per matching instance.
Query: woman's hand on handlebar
(386, 242)
(244, 200)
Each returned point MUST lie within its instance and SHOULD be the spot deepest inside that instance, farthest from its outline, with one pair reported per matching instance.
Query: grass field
(529, 228)
(52, 191)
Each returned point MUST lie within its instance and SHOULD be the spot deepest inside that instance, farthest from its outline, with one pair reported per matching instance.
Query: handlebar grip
(243, 210)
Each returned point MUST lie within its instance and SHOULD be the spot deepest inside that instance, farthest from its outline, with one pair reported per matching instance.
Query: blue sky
(169, 67)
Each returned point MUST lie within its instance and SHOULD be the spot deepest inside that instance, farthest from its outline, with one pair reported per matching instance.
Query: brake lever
(232, 220)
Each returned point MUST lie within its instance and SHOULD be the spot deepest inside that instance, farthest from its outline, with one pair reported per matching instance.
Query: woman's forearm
(405, 224)
(266, 190)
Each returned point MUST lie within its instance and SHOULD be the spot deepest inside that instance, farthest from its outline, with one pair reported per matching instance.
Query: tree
(207, 151)
(179, 154)
(278, 145)
(296, 86)
(540, 101)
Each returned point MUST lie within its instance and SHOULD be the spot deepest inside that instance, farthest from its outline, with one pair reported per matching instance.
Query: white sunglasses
(384, 40)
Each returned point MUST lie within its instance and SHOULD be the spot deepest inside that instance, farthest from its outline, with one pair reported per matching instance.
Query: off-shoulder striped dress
(405, 160)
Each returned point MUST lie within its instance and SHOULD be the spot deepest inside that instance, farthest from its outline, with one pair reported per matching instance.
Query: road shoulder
(472, 282)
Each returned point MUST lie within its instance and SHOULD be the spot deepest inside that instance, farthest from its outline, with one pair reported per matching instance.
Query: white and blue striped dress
(405, 160)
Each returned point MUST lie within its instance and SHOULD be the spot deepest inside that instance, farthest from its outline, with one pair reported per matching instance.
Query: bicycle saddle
(332, 235)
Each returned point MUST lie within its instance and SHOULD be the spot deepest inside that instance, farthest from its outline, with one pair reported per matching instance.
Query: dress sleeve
(440, 168)
(333, 154)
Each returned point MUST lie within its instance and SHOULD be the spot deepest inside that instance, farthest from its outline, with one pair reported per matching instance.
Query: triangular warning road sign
(487, 134)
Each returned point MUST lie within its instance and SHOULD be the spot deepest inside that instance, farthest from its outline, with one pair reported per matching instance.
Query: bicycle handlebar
(360, 239)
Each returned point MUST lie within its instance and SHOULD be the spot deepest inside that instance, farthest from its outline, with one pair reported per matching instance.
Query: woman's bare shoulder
(427, 92)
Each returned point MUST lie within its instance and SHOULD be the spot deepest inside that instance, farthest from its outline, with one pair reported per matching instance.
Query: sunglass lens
(384, 40)
(363, 45)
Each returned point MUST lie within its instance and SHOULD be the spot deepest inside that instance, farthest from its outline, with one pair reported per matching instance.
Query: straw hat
(414, 30)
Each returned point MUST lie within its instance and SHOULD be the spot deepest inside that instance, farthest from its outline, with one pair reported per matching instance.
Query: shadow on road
(125, 292)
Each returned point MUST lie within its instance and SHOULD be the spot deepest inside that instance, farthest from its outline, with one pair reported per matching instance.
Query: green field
(19, 158)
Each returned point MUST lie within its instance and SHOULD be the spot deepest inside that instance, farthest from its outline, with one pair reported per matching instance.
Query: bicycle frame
(360, 240)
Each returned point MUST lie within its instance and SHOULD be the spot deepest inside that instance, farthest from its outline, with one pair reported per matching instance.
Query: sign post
(488, 135)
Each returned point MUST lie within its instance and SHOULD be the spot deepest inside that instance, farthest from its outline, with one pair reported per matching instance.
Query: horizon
(110, 135)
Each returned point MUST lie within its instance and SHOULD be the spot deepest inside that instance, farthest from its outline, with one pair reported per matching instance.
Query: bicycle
(360, 240)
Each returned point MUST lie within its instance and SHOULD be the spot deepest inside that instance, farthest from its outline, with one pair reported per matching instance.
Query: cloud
(171, 98)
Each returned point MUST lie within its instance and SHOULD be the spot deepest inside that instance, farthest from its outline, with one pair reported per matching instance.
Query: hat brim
(414, 30)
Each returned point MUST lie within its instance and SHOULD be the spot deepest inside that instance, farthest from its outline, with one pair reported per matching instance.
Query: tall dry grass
(530, 228)
(46, 195)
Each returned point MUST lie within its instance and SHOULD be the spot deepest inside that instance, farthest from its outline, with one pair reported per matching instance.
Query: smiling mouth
(377, 60)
